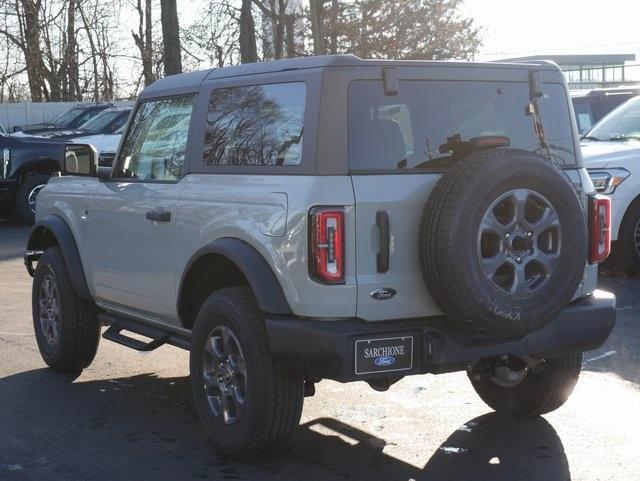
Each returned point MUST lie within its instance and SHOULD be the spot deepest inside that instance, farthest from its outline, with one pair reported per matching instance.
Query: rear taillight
(599, 228)
(326, 244)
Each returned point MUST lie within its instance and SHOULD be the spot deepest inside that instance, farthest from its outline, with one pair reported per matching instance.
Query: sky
(515, 28)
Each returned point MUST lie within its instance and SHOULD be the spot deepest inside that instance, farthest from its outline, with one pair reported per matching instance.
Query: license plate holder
(384, 354)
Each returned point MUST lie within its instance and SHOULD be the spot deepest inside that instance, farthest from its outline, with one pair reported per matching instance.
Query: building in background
(593, 71)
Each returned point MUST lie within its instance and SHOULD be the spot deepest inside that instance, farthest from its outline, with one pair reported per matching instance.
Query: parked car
(69, 119)
(252, 229)
(592, 105)
(106, 122)
(611, 152)
(105, 145)
(27, 164)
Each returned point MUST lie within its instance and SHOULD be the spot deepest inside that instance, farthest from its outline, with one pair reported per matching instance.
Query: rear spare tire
(503, 242)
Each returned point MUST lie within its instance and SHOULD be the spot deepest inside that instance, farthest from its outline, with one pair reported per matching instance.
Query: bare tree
(144, 40)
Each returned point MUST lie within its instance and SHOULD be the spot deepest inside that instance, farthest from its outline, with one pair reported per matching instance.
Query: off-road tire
(625, 252)
(22, 196)
(539, 393)
(274, 395)
(448, 242)
(79, 329)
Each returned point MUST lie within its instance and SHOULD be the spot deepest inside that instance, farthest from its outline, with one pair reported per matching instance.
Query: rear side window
(415, 128)
(258, 125)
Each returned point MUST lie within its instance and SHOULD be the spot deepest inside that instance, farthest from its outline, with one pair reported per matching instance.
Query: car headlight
(4, 167)
(606, 180)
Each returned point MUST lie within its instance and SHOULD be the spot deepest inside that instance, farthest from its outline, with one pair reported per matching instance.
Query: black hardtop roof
(191, 81)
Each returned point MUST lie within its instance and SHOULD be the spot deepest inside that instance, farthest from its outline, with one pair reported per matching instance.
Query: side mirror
(80, 159)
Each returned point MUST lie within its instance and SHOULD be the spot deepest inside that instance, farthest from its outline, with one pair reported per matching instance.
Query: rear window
(414, 129)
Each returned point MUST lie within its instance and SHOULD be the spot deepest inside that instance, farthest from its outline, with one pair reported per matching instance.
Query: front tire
(532, 394)
(248, 401)
(66, 326)
(26, 196)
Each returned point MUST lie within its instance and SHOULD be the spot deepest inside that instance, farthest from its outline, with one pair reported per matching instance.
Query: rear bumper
(326, 349)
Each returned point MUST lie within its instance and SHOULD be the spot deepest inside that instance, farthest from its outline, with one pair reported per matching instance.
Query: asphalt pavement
(129, 415)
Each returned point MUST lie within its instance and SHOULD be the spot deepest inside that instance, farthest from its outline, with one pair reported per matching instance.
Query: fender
(253, 266)
(39, 240)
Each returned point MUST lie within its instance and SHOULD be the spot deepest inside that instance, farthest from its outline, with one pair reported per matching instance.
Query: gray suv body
(325, 217)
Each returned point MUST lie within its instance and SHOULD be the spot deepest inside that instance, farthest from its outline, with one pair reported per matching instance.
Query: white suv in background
(611, 153)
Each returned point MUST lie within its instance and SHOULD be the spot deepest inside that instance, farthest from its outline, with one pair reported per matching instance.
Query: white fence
(34, 112)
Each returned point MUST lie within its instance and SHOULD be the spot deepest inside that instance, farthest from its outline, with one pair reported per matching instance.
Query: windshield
(100, 122)
(621, 124)
(66, 117)
(429, 124)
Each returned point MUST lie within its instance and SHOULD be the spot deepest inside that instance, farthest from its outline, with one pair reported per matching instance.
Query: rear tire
(538, 393)
(254, 403)
(26, 195)
(66, 326)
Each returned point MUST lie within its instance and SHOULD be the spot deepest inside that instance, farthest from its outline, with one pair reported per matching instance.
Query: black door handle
(382, 258)
(159, 215)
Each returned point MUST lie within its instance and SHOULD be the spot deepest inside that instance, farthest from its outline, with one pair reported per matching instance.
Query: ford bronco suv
(332, 218)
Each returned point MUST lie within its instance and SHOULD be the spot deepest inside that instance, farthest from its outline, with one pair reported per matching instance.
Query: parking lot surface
(129, 415)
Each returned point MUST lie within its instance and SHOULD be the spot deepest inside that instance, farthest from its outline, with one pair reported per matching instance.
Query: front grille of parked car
(106, 159)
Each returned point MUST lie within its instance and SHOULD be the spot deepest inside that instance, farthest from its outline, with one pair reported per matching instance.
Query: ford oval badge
(383, 293)
(384, 361)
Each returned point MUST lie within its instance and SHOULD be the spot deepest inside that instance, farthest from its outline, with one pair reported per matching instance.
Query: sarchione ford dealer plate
(384, 354)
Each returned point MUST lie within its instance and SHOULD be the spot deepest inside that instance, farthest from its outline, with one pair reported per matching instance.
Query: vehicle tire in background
(503, 242)
(248, 401)
(528, 393)
(66, 326)
(27, 194)
(626, 249)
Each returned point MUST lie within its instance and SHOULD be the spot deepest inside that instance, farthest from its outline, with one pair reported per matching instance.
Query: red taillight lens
(599, 228)
(326, 244)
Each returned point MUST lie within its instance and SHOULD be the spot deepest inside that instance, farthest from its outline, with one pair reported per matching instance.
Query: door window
(156, 143)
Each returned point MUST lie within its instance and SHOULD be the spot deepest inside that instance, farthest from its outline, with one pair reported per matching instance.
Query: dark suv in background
(592, 105)
(69, 119)
(107, 121)
(26, 164)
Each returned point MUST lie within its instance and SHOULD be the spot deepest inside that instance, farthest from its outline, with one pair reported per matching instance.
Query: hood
(102, 142)
(609, 154)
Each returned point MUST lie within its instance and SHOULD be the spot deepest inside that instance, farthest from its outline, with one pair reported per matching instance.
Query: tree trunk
(248, 49)
(333, 37)
(170, 37)
(290, 34)
(33, 60)
(148, 44)
(278, 30)
(73, 74)
(316, 8)
(143, 40)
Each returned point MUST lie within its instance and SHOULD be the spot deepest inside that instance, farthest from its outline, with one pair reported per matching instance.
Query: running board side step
(158, 336)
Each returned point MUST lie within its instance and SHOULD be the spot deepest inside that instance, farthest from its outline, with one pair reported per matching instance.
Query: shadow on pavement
(13, 237)
(621, 353)
(55, 426)
(490, 448)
